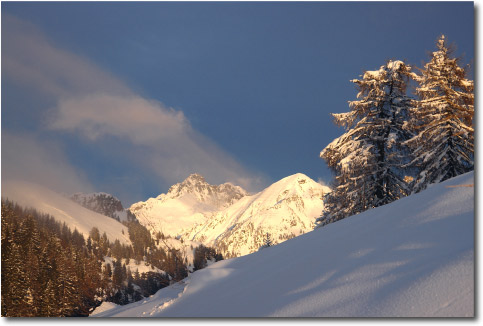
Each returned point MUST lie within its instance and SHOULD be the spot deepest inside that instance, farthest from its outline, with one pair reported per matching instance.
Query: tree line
(49, 270)
(397, 143)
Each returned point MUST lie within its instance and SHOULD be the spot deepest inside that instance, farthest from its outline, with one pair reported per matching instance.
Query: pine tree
(7, 246)
(51, 303)
(117, 275)
(68, 286)
(443, 118)
(17, 294)
(267, 241)
(367, 159)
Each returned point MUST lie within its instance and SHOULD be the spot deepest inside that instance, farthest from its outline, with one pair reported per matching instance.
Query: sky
(130, 98)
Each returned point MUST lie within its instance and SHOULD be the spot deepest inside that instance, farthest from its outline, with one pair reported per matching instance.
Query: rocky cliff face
(104, 204)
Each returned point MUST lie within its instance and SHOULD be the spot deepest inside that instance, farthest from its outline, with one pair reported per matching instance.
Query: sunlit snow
(413, 257)
(63, 209)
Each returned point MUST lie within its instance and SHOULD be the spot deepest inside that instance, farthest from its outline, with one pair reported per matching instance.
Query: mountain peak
(195, 177)
(185, 204)
(196, 185)
(285, 209)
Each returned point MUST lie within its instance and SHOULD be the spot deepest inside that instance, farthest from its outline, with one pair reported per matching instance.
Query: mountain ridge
(103, 203)
(185, 204)
(285, 209)
(215, 215)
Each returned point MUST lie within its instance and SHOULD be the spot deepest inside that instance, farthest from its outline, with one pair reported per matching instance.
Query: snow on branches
(394, 145)
(367, 158)
(442, 120)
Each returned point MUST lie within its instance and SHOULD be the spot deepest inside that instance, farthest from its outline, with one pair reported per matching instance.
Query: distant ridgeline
(104, 204)
(50, 270)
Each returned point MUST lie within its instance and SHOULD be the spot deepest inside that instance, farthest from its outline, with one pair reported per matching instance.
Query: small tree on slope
(267, 241)
(443, 119)
(367, 159)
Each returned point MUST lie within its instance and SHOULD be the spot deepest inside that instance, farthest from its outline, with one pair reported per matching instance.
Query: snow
(411, 258)
(63, 209)
(285, 209)
(186, 204)
(142, 267)
(148, 307)
(227, 217)
(105, 306)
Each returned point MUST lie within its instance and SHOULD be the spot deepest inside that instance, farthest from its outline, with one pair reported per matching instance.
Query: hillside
(63, 209)
(413, 258)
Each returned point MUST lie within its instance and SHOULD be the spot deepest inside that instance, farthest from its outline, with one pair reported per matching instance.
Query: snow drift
(411, 258)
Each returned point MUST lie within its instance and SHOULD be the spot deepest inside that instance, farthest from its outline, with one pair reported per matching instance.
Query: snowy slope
(134, 266)
(185, 205)
(286, 209)
(64, 209)
(413, 257)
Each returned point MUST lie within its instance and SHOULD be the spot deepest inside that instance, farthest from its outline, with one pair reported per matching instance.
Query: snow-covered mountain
(286, 209)
(411, 258)
(63, 209)
(186, 204)
(227, 218)
(103, 203)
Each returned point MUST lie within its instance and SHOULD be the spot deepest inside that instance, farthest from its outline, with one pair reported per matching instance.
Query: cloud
(133, 118)
(172, 148)
(31, 59)
(26, 158)
(95, 106)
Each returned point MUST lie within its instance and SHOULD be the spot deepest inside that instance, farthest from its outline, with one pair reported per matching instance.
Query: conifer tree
(443, 119)
(367, 159)
(51, 303)
(67, 287)
(16, 294)
(267, 241)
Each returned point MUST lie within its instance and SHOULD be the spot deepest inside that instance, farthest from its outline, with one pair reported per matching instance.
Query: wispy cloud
(93, 105)
(132, 118)
(31, 59)
(172, 148)
(43, 162)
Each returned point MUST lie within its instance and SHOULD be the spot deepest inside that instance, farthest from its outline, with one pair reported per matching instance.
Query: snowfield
(411, 258)
(63, 209)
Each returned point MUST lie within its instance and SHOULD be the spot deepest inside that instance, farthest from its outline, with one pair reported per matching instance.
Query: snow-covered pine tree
(443, 120)
(367, 159)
